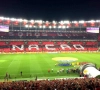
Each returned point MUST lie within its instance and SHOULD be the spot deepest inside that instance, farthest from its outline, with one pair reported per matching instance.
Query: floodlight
(54, 26)
(62, 22)
(43, 26)
(63, 27)
(26, 26)
(1, 18)
(92, 21)
(50, 27)
(59, 26)
(97, 20)
(82, 21)
(74, 21)
(38, 21)
(20, 20)
(54, 22)
(40, 26)
(13, 19)
(66, 22)
(34, 26)
(30, 26)
(47, 21)
(35, 20)
(31, 21)
(67, 27)
(25, 20)
(6, 18)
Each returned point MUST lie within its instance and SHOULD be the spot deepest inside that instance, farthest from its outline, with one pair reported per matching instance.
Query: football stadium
(44, 55)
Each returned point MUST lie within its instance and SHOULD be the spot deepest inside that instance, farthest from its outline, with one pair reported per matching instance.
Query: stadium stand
(28, 36)
(59, 84)
(39, 46)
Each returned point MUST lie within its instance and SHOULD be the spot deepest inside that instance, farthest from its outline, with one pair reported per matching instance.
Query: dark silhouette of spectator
(59, 84)
(21, 73)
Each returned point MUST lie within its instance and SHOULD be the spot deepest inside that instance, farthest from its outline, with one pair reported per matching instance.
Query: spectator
(59, 84)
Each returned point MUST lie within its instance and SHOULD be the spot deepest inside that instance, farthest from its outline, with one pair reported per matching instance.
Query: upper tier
(48, 36)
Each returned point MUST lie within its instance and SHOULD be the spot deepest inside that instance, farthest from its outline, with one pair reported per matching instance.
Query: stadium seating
(48, 35)
(16, 42)
(28, 37)
(76, 42)
(48, 46)
(32, 42)
(2, 43)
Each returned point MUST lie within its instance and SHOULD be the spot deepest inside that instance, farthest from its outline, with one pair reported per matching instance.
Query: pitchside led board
(4, 28)
(92, 29)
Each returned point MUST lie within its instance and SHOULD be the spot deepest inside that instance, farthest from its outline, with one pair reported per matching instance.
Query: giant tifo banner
(47, 47)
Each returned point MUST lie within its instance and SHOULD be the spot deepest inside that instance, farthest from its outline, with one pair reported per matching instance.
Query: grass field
(38, 64)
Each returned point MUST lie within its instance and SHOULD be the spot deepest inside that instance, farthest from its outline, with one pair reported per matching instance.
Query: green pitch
(38, 64)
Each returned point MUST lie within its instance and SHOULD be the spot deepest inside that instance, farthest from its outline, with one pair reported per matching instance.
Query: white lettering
(63, 46)
(59, 34)
(20, 34)
(78, 47)
(11, 34)
(28, 34)
(33, 46)
(44, 34)
(37, 34)
(48, 47)
(15, 46)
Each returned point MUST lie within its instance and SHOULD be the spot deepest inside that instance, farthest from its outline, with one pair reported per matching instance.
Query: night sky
(51, 9)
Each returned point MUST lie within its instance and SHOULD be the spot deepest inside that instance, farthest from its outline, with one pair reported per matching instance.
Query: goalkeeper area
(29, 66)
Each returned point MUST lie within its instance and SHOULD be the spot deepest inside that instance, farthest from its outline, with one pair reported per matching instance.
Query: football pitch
(41, 65)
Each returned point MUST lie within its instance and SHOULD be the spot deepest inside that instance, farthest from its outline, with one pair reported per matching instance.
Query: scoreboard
(4, 28)
(92, 29)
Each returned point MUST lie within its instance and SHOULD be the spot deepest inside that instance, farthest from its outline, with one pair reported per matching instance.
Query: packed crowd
(59, 84)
